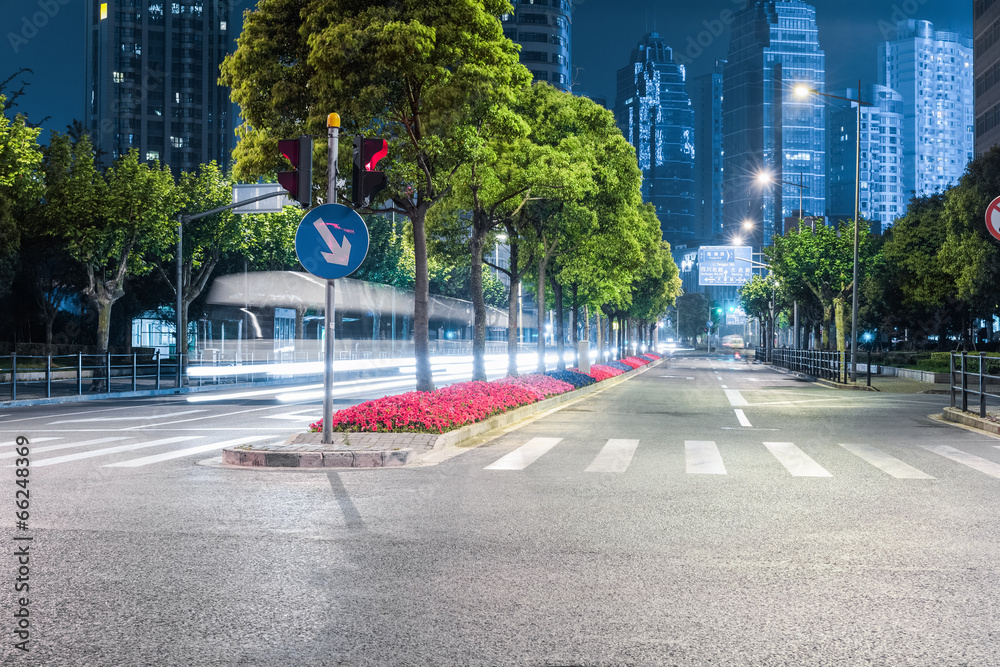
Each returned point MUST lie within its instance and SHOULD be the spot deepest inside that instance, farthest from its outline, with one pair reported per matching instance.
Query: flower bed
(573, 377)
(601, 372)
(467, 402)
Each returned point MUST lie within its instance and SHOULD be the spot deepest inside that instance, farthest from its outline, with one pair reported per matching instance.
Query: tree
(823, 262)
(692, 313)
(107, 223)
(421, 72)
(20, 187)
(657, 287)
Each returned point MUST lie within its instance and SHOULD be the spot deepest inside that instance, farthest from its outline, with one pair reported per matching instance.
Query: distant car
(735, 342)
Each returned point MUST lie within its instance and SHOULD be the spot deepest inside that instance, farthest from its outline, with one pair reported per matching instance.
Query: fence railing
(32, 376)
(835, 366)
(973, 375)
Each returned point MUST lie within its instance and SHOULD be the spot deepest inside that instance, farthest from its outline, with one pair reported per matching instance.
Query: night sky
(604, 33)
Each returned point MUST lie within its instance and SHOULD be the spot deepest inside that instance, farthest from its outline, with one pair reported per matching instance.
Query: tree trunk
(840, 318)
(600, 336)
(421, 303)
(827, 317)
(559, 329)
(542, 263)
(586, 323)
(513, 312)
(574, 317)
(478, 305)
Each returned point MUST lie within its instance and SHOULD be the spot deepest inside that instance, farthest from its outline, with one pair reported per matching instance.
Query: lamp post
(804, 91)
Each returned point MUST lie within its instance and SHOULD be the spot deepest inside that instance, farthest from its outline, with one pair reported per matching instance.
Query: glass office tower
(933, 71)
(542, 28)
(653, 111)
(706, 96)
(151, 71)
(773, 48)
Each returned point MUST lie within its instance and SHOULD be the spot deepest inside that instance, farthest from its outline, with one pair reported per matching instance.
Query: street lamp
(803, 91)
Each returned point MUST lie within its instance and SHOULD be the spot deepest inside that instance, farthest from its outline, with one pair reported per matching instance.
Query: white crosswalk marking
(68, 445)
(887, 464)
(31, 442)
(111, 450)
(736, 398)
(795, 460)
(982, 465)
(181, 453)
(614, 457)
(132, 418)
(742, 418)
(525, 455)
(703, 458)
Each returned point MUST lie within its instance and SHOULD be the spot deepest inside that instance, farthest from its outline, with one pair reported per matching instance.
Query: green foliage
(20, 187)
(693, 312)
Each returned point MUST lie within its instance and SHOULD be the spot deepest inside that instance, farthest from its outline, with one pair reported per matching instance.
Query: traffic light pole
(333, 138)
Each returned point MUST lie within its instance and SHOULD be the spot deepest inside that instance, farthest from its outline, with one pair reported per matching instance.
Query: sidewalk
(889, 385)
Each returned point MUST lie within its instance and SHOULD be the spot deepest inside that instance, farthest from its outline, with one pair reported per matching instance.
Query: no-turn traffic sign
(993, 218)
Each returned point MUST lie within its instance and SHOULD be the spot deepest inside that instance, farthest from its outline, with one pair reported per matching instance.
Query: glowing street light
(804, 91)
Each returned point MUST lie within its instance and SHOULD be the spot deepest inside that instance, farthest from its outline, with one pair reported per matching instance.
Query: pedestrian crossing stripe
(181, 453)
(702, 457)
(31, 441)
(111, 450)
(68, 445)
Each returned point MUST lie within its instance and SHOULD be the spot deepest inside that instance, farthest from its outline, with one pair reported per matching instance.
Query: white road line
(117, 419)
(69, 445)
(31, 441)
(180, 453)
(887, 464)
(525, 455)
(678, 377)
(614, 457)
(703, 458)
(111, 450)
(736, 398)
(743, 418)
(293, 416)
(725, 387)
(795, 460)
(982, 465)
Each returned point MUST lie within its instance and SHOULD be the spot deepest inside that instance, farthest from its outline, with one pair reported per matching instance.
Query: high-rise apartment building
(706, 98)
(883, 198)
(932, 71)
(151, 71)
(653, 111)
(986, 49)
(773, 48)
(542, 28)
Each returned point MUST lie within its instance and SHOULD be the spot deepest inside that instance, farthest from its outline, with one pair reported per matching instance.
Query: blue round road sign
(332, 241)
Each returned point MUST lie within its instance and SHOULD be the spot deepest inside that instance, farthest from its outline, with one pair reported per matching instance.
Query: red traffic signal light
(298, 182)
(365, 181)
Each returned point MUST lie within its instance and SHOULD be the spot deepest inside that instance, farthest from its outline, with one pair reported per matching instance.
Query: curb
(403, 456)
(956, 416)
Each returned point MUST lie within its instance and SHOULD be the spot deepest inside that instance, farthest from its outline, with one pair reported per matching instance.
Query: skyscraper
(653, 111)
(151, 71)
(773, 48)
(883, 197)
(706, 98)
(986, 47)
(932, 71)
(542, 28)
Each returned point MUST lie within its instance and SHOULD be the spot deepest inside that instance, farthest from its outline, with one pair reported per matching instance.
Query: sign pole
(333, 136)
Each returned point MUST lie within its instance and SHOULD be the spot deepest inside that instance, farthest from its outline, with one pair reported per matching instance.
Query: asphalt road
(706, 512)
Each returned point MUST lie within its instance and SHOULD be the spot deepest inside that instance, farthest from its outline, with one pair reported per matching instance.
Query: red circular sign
(993, 218)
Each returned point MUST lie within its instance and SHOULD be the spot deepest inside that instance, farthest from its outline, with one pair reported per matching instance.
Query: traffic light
(298, 181)
(365, 181)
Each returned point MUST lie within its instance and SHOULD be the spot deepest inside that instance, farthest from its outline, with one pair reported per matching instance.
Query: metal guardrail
(35, 376)
(835, 366)
(978, 367)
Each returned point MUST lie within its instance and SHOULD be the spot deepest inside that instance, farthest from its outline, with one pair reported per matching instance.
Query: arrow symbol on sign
(339, 254)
